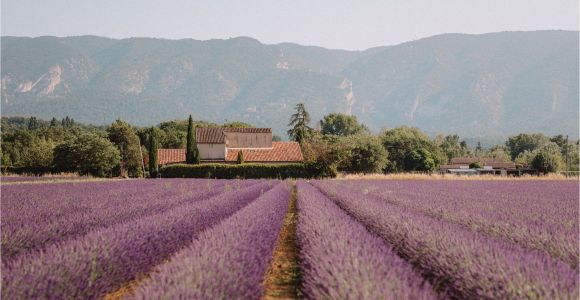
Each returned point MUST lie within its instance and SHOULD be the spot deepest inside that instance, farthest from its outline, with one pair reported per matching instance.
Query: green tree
(240, 158)
(6, 160)
(237, 124)
(87, 153)
(546, 161)
(475, 165)
(53, 122)
(15, 144)
(342, 124)
(400, 142)
(320, 156)
(525, 158)
(478, 148)
(523, 141)
(32, 123)
(127, 141)
(420, 160)
(367, 154)
(559, 140)
(38, 154)
(299, 121)
(568, 150)
(191, 152)
(498, 151)
(153, 162)
(452, 147)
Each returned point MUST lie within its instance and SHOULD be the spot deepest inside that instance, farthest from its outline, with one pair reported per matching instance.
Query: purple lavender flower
(342, 260)
(227, 261)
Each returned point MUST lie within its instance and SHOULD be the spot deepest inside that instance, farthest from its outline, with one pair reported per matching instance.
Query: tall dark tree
(53, 122)
(32, 123)
(153, 162)
(191, 152)
(478, 149)
(299, 121)
(68, 122)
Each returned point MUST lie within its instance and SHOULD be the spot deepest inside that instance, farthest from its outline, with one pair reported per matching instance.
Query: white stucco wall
(212, 151)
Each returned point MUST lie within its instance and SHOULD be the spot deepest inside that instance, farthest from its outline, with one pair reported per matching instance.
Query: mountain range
(492, 84)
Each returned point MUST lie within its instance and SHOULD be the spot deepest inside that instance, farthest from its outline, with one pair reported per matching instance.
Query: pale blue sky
(332, 24)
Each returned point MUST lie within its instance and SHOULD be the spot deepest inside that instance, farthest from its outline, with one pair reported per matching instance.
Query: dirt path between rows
(282, 281)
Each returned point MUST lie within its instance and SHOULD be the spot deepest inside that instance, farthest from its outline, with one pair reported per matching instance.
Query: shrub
(475, 165)
(246, 171)
(240, 159)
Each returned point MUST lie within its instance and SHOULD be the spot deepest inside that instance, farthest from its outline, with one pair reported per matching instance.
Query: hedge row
(243, 171)
(36, 171)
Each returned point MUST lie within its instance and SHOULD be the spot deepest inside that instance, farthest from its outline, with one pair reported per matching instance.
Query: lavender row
(38, 203)
(342, 260)
(499, 209)
(100, 210)
(550, 202)
(20, 179)
(101, 261)
(463, 263)
(227, 261)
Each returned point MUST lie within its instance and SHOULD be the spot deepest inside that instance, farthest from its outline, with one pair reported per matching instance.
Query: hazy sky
(328, 23)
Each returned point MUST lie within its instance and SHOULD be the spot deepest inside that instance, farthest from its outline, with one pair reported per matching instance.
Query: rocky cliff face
(492, 84)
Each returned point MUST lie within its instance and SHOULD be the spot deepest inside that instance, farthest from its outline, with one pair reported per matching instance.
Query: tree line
(337, 143)
(37, 146)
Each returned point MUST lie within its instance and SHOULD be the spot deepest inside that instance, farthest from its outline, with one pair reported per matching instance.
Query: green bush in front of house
(245, 171)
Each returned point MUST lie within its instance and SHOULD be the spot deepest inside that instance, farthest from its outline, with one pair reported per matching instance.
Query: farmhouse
(490, 165)
(221, 145)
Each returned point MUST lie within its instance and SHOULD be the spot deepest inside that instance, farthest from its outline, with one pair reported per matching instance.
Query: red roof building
(223, 144)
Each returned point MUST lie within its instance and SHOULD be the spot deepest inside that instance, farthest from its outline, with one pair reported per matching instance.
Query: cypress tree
(152, 153)
(240, 159)
(53, 122)
(196, 158)
(32, 123)
(191, 155)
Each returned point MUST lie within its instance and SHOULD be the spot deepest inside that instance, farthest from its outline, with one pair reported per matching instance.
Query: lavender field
(354, 239)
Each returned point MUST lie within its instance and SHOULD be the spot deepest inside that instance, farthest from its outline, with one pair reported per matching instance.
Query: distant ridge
(492, 84)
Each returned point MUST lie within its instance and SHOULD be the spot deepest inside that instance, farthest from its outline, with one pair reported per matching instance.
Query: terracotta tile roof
(209, 135)
(280, 152)
(168, 156)
(215, 135)
(495, 165)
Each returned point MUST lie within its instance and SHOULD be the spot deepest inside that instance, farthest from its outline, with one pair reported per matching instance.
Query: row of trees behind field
(337, 143)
